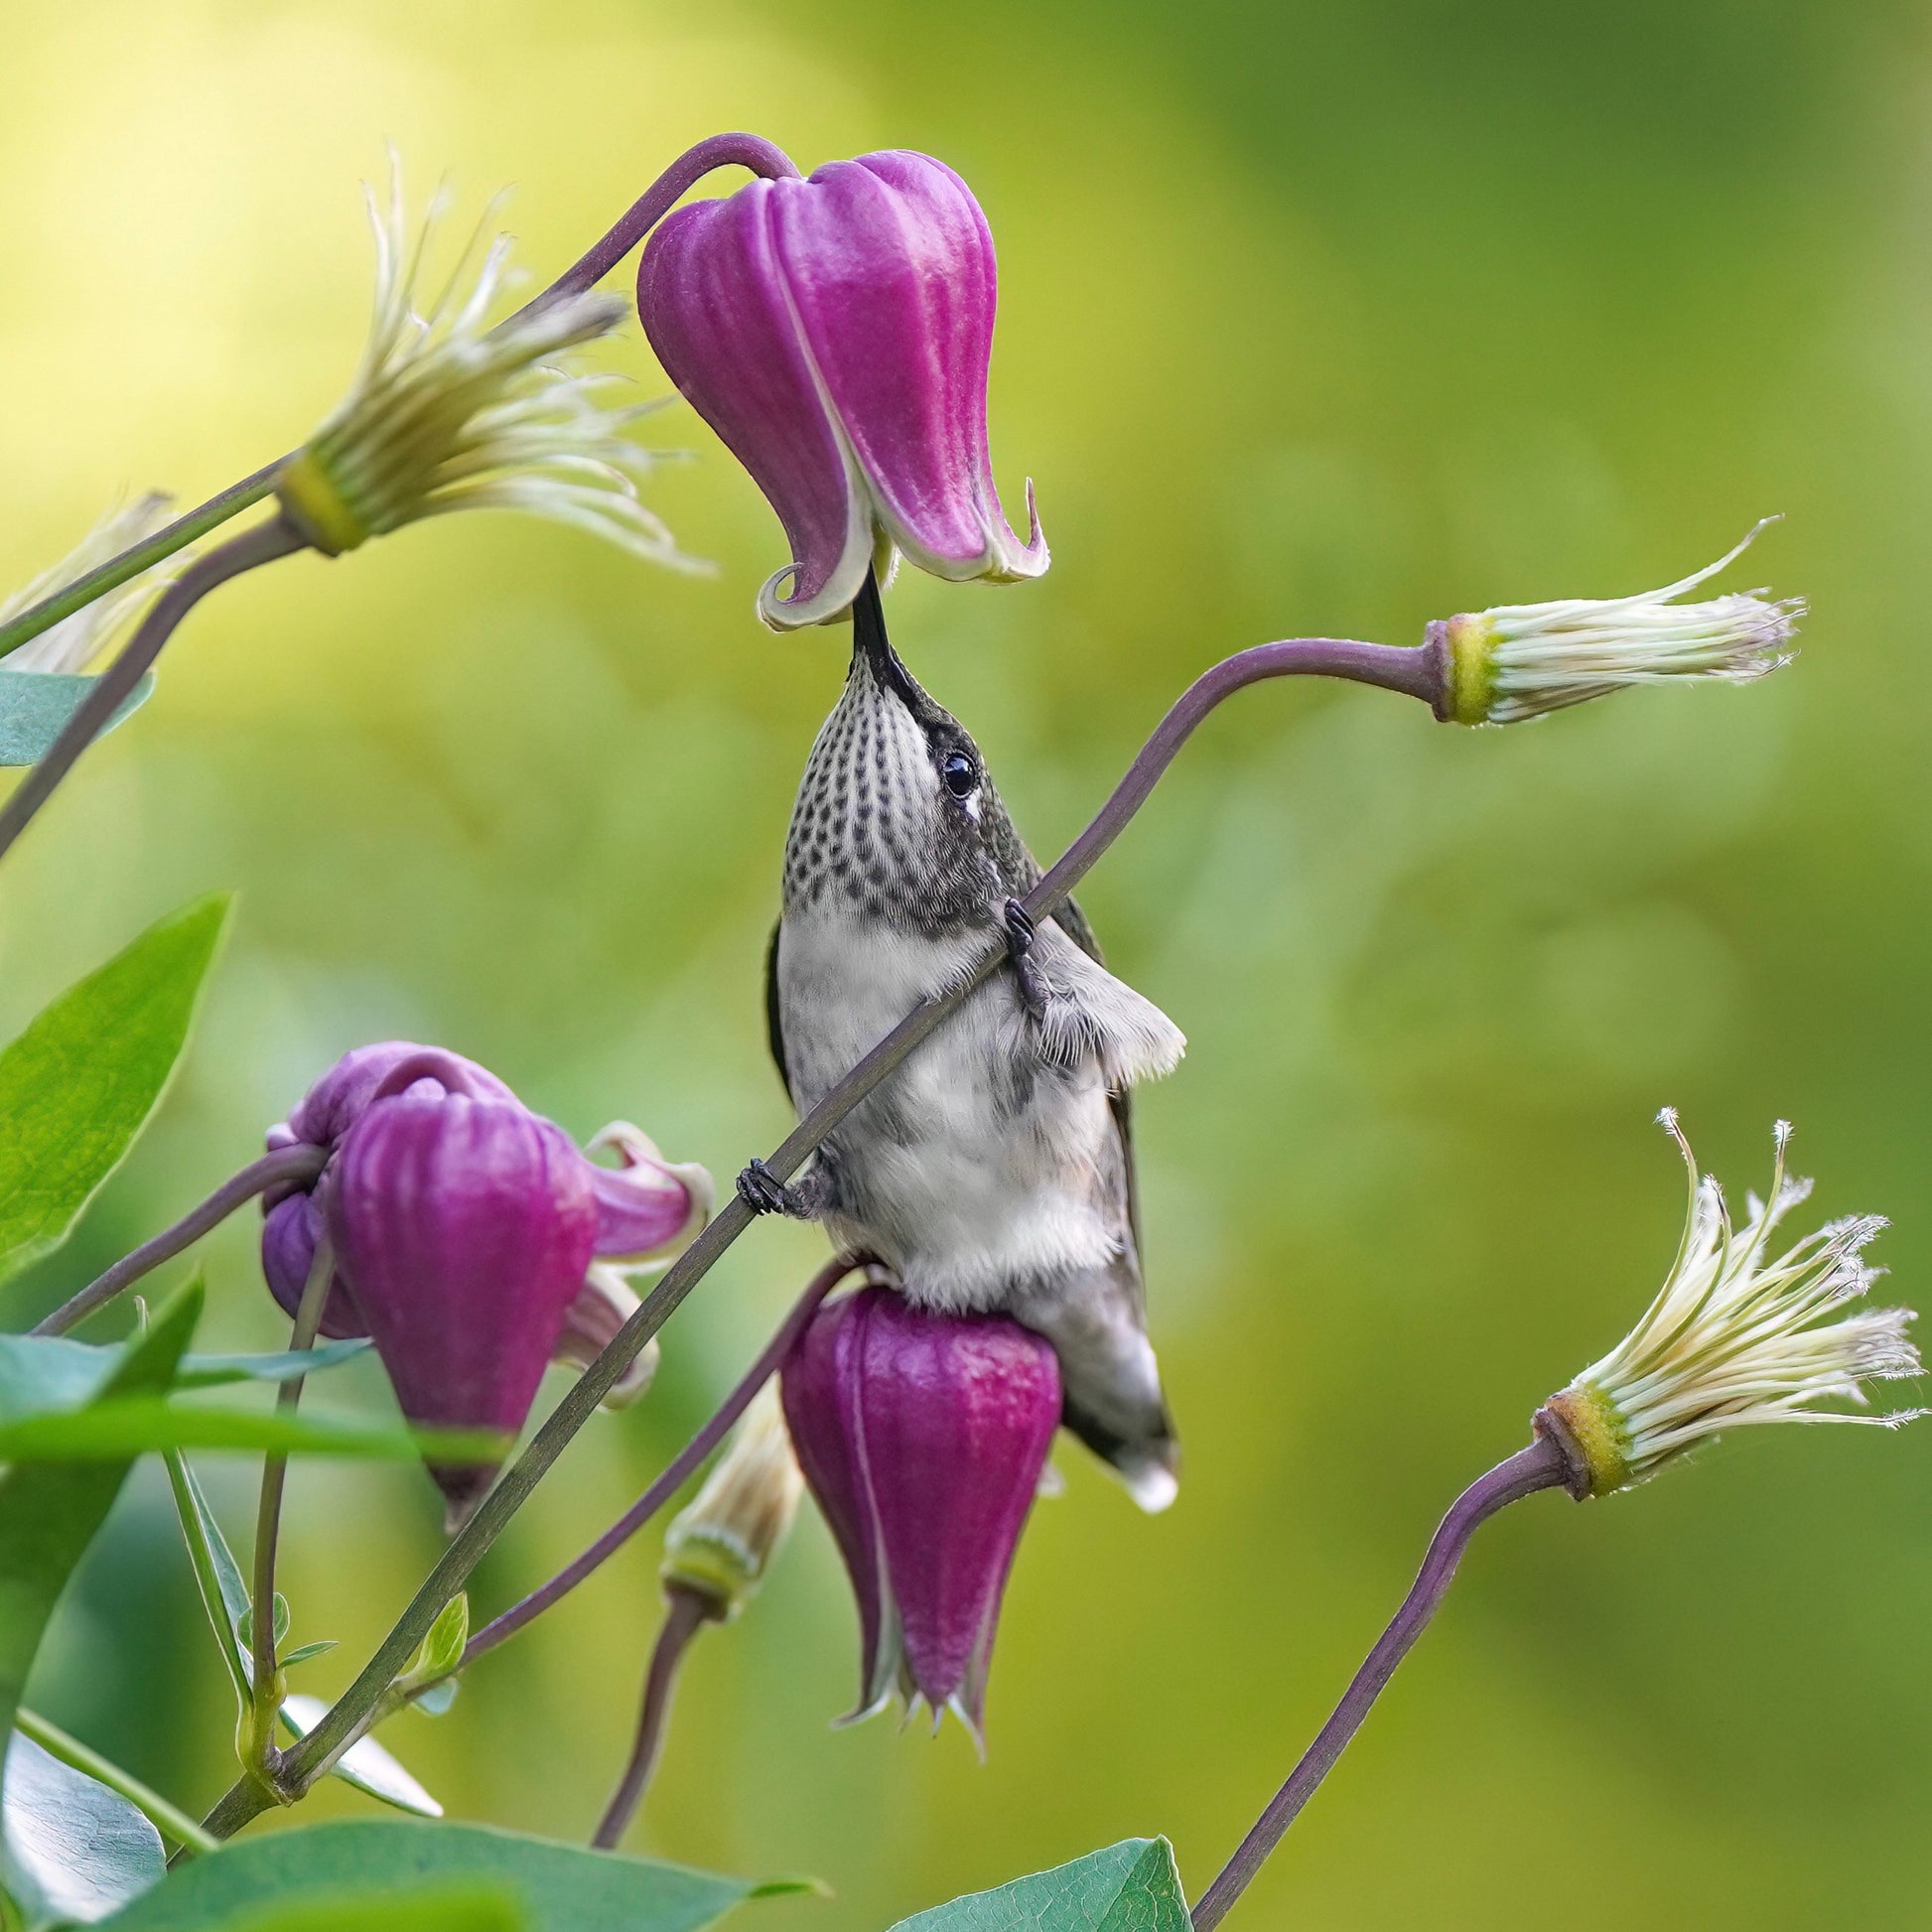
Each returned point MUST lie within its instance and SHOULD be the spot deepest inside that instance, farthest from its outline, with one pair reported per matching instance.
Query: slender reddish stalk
(1415, 671)
(296, 1163)
(1542, 1465)
(686, 1613)
(261, 545)
(265, 1665)
(677, 1471)
(749, 151)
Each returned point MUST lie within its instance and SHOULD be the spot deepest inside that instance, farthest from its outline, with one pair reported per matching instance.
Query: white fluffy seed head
(448, 413)
(1735, 1338)
(76, 642)
(1521, 660)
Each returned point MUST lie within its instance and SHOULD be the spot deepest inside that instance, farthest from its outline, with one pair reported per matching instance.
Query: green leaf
(79, 1084)
(44, 1375)
(303, 1652)
(441, 1650)
(217, 1577)
(437, 1908)
(366, 1764)
(225, 1595)
(117, 1427)
(35, 705)
(71, 1850)
(1131, 1886)
(48, 1511)
(245, 1628)
(212, 1371)
(559, 1887)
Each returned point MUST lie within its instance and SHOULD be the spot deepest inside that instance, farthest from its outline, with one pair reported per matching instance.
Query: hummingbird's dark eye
(961, 779)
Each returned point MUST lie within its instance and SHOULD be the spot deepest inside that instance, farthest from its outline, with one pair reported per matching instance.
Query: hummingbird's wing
(775, 1019)
(1120, 1100)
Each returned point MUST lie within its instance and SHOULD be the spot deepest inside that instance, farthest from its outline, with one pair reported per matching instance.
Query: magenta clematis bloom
(837, 332)
(464, 1225)
(504, 1296)
(923, 1436)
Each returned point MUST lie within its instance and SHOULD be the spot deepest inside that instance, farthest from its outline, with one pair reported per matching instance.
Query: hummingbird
(994, 1170)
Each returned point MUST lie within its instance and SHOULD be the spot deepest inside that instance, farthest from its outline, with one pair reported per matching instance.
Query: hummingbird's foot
(1018, 924)
(764, 1193)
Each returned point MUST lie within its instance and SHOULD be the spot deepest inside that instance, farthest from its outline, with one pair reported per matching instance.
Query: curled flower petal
(602, 1306)
(648, 1206)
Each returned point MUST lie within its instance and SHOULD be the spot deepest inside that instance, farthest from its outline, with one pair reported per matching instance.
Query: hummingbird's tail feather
(1110, 1382)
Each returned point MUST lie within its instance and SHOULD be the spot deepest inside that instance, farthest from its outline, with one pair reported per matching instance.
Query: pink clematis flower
(471, 1239)
(837, 334)
(922, 1437)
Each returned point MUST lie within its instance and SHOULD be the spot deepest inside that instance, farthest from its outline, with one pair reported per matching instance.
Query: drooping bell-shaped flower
(1734, 1339)
(837, 334)
(645, 1208)
(922, 1437)
(464, 1225)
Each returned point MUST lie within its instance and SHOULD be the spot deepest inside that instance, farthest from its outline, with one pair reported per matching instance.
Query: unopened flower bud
(922, 1437)
(1520, 660)
(837, 334)
(1733, 1338)
(722, 1544)
(464, 1225)
(645, 1207)
(448, 413)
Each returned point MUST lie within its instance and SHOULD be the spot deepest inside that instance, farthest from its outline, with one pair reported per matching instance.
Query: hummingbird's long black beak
(869, 641)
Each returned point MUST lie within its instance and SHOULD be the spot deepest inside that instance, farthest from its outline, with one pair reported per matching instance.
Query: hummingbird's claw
(1020, 928)
(764, 1193)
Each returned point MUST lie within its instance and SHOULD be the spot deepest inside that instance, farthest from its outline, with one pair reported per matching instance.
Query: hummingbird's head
(895, 814)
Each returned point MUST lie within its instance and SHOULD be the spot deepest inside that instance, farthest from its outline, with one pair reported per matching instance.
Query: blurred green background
(1318, 316)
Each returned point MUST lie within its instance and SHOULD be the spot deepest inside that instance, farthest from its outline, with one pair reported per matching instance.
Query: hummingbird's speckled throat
(883, 828)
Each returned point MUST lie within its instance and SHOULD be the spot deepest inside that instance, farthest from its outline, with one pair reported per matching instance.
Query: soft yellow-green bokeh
(1317, 318)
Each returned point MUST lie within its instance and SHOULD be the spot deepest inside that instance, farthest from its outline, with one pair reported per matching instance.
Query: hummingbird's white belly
(976, 1169)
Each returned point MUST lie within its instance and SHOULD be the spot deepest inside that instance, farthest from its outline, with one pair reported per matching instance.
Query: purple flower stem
(676, 1473)
(267, 1700)
(720, 151)
(260, 545)
(296, 1163)
(1542, 1465)
(686, 1613)
(115, 572)
(749, 151)
(1416, 671)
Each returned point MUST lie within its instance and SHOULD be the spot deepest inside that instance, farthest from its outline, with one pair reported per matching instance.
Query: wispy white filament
(75, 642)
(1543, 656)
(1734, 1340)
(446, 413)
